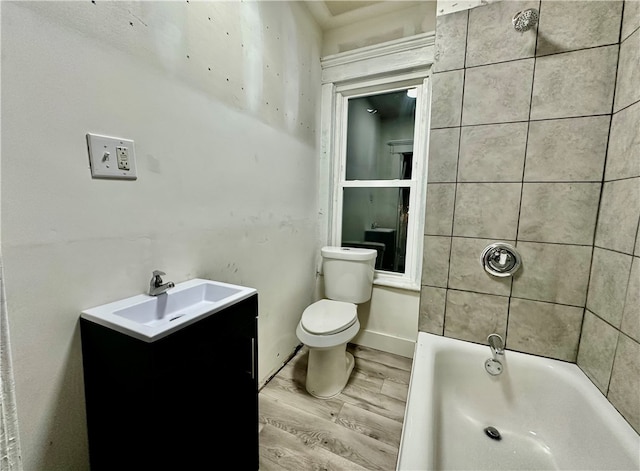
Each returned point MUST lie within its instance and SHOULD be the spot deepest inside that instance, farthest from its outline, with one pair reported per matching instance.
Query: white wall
(386, 27)
(389, 322)
(450, 6)
(222, 101)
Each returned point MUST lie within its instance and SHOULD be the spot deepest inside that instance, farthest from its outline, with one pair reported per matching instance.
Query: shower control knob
(500, 259)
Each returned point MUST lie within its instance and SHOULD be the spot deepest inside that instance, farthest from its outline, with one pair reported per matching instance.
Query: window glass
(379, 136)
(377, 218)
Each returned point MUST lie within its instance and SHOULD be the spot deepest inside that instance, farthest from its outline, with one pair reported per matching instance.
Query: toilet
(329, 324)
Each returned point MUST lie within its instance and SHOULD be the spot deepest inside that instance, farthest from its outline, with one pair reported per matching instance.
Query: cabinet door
(207, 374)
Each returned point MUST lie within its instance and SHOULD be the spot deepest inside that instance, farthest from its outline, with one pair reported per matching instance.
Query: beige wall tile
(623, 155)
(624, 388)
(564, 213)
(567, 149)
(545, 329)
(467, 272)
(597, 349)
(435, 261)
(446, 99)
(627, 89)
(631, 18)
(492, 153)
(487, 210)
(431, 317)
(608, 284)
(501, 42)
(619, 215)
(439, 212)
(473, 316)
(553, 272)
(631, 313)
(443, 155)
(578, 83)
(497, 93)
(575, 75)
(567, 26)
(451, 40)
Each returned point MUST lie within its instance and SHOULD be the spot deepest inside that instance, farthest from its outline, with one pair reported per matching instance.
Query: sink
(151, 318)
(381, 229)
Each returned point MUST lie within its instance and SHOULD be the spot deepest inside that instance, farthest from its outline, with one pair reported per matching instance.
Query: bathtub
(548, 413)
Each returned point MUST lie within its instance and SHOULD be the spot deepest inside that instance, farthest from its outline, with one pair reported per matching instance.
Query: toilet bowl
(328, 325)
(326, 328)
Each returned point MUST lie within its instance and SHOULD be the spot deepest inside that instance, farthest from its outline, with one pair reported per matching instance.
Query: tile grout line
(626, 291)
(522, 298)
(536, 55)
(537, 120)
(455, 189)
(602, 182)
(626, 107)
(617, 251)
(537, 182)
(571, 244)
(524, 164)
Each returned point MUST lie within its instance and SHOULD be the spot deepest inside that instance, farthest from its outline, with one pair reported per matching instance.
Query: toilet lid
(326, 317)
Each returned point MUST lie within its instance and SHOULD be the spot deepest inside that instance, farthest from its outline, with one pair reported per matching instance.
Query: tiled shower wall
(609, 351)
(521, 124)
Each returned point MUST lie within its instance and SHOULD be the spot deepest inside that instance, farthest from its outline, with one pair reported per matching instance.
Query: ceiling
(392, 105)
(332, 14)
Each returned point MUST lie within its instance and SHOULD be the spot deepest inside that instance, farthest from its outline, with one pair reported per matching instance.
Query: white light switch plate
(111, 157)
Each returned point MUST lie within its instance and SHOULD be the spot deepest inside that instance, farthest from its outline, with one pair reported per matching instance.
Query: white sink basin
(150, 318)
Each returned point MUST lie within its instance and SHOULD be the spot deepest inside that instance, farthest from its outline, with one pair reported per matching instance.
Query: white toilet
(329, 324)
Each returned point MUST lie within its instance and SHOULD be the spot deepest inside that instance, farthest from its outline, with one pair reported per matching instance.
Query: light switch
(111, 157)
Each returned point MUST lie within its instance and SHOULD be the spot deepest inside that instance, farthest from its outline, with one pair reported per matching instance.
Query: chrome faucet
(156, 285)
(496, 344)
(494, 365)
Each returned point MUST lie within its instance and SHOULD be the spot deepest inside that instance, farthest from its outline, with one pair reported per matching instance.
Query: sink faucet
(156, 286)
(496, 344)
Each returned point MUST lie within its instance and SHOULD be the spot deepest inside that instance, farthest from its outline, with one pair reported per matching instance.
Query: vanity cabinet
(188, 401)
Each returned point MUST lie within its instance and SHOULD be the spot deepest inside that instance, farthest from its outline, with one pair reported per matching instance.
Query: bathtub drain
(493, 433)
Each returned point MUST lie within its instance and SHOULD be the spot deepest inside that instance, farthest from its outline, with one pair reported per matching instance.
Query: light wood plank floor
(357, 430)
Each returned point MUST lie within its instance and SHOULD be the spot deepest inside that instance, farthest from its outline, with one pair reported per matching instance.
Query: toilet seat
(326, 317)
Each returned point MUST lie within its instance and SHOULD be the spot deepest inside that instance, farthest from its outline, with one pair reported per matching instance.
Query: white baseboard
(385, 343)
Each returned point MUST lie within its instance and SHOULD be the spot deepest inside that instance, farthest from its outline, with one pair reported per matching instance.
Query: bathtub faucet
(496, 344)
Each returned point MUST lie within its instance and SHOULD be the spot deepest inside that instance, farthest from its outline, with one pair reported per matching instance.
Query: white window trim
(396, 64)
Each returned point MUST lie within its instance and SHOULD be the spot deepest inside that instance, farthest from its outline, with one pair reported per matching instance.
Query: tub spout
(496, 344)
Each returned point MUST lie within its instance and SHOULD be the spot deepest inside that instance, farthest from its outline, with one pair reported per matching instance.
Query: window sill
(396, 282)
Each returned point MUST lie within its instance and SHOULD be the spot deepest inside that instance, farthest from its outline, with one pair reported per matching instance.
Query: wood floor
(357, 430)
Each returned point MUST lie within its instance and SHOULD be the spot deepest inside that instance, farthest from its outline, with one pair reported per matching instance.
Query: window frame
(410, 279)
(401, 62)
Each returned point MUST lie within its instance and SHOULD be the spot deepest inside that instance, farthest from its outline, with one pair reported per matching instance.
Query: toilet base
(328, 371)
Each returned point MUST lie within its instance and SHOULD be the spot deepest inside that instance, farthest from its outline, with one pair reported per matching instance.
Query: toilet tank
(348, 273)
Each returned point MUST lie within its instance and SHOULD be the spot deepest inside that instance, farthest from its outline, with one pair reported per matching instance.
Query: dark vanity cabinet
(185, 402)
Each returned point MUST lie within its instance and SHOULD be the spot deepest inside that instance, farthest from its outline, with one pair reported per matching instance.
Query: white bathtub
(549, 414)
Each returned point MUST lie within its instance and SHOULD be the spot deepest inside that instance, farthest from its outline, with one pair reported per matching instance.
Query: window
(378, 177)
(373, 159)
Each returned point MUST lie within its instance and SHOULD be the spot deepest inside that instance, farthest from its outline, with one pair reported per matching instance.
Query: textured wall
(389, 26)
(222, 101)
(520, 131)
